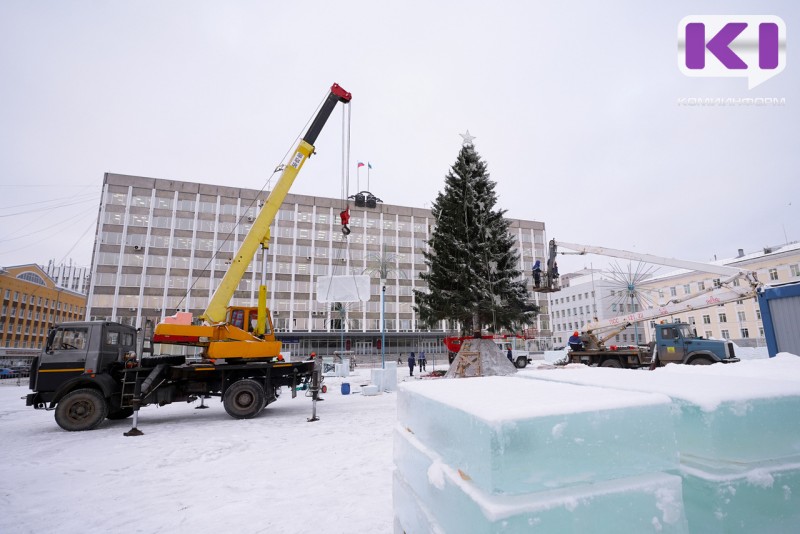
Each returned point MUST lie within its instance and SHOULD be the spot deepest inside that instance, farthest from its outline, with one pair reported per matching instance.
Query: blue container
(345, 388)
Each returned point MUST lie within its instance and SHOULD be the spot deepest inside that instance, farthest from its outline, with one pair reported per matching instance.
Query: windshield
(686, 331)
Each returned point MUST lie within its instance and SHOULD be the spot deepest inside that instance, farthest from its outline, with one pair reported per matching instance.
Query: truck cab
(678, 343)
(75, 353)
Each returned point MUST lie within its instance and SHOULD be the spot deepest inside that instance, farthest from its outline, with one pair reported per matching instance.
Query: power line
(57, 223)
(50, 208)
(81, 196)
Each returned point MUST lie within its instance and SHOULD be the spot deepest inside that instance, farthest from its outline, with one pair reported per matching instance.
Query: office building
(163, 245)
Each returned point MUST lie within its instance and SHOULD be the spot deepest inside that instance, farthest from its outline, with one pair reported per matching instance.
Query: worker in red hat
(575, 342)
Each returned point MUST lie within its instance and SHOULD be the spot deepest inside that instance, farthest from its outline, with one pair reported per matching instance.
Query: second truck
(675, 342)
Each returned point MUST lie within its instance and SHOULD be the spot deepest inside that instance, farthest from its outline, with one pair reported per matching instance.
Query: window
(673, 292)
(723, 318)
(687, 289)
(70, 339)
(31, 277)
(691, 320)
(758, 314)
(701, 286)
(708, 334)
(795, 270)
(745, 333)
(614, 307)
(773, 274)
(706, 319)
(740, 315)
(760, 331)
(726, 334)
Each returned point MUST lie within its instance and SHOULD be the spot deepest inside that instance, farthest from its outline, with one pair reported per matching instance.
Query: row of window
(24, 344)
(568, 312)
(578, 296)
(55, 306)
(321, 324)
(772, 274)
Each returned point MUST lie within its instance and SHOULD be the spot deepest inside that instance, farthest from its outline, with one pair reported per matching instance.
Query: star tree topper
(467, 138)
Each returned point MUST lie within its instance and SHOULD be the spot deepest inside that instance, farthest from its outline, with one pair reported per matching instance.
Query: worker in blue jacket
(412, 361)
(575, 342)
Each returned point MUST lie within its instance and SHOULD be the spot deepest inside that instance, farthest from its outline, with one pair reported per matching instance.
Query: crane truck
(675, 342)
(89, 371)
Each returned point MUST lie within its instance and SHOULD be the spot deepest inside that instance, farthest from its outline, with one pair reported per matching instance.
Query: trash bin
(345, 388)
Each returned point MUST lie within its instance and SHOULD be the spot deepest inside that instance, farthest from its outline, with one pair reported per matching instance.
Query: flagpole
(358, 179)
(369, 166)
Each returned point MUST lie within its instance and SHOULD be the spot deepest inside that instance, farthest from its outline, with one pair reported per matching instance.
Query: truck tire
(521, 362)
(82, 409)
(122, 413)
(244, 399)
(611, 362)
(152, 361)
(701, 360)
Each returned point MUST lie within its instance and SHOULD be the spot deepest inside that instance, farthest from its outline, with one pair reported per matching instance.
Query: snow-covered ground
(201, 471)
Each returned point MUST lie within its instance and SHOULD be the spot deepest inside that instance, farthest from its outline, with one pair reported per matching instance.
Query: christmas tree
(473, 275)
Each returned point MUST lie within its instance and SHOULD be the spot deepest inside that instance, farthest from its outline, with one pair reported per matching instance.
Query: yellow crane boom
(223, 340)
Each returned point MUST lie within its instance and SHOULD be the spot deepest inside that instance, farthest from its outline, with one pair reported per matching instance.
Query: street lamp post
(383, 323)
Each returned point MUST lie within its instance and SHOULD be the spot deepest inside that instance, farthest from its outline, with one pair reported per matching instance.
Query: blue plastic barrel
(345, 388)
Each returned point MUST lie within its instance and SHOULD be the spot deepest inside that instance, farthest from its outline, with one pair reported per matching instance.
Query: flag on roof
(360, 164)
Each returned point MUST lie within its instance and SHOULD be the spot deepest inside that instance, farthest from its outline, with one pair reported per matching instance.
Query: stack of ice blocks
(495, 454)
(738, 433)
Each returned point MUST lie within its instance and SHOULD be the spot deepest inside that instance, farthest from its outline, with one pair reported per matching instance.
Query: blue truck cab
(679, 343)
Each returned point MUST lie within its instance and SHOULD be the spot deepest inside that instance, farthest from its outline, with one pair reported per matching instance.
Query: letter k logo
(719, 45)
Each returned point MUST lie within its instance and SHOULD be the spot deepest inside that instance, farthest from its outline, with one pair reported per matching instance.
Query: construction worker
(575, 342)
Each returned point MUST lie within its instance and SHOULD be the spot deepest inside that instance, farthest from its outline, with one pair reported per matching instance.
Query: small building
(31, 303)
(589, 295)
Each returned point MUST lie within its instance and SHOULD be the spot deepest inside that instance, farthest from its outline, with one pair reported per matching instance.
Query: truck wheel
(244, 399)
(611, 362)
(521, 362)
(701, 361)
(122, 413)
(82, 409)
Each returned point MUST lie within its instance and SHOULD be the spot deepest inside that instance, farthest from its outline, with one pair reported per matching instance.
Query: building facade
(164, 245)
(31, 303)
(587, 295)
(739, 321)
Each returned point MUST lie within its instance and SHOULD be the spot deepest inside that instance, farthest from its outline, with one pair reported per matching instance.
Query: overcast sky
(575, 108)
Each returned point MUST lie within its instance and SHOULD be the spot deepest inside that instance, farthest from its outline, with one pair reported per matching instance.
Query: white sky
(574, 108)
